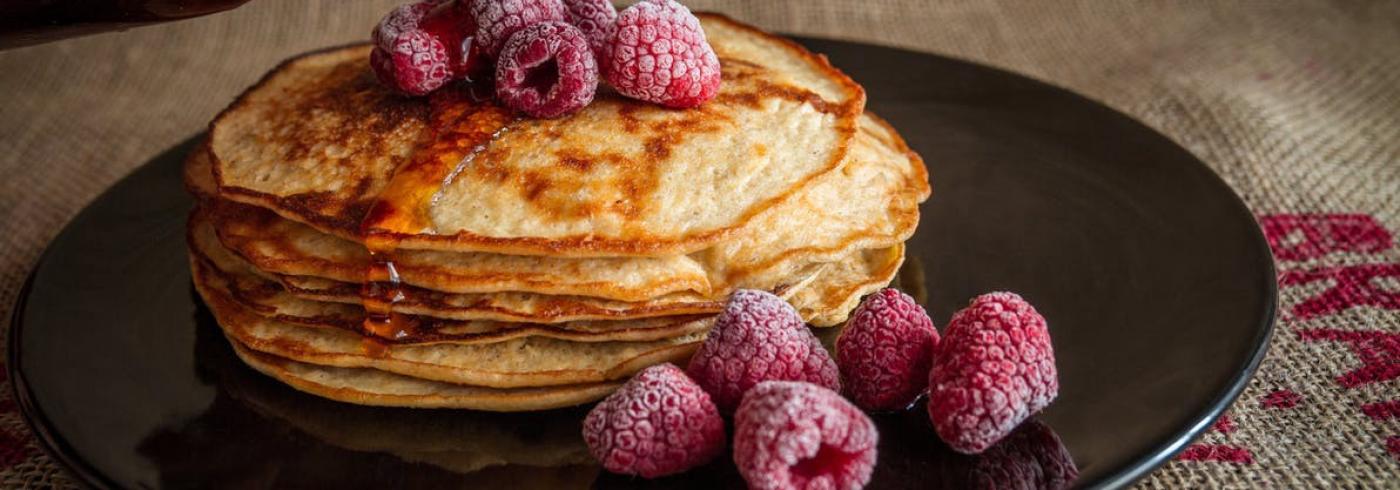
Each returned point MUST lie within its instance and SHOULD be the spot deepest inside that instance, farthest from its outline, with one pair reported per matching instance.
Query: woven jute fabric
(1296, 105)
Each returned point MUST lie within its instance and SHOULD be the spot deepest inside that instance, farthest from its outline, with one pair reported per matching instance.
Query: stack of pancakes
(443, 252)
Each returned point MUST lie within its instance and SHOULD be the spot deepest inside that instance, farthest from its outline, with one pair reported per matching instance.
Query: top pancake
(321, 142)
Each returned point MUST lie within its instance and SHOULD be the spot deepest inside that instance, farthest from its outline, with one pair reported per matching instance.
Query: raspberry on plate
(596, 18)
(498, 20)
(547, 70)
(885, 350)
(799, 435)
(759, 337)
(993, 368)
(659, 423)
(659, 54)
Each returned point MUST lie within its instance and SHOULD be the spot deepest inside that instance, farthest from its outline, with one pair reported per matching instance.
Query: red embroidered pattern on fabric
(1382, 410)
(1379, 353)
(1354, 286)
(1280, 399)
(1223, 425)
(1298, 237)
(1217, 452)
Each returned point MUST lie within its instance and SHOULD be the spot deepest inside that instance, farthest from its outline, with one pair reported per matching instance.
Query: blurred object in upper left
(30, 22)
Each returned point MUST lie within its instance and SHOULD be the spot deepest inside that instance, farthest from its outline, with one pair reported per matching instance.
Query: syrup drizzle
(461, 124)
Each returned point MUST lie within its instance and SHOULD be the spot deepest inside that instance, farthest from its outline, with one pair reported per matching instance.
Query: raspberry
(596, 18)
(659, 54)
(759, 337)
(413, 39)
(885, 351)
(415, 64)
(453, 25)
(497, 20)
(1030, 457)
(659, 423)
(546, 70)
(402, 19)
(799, 435)
(993, 369)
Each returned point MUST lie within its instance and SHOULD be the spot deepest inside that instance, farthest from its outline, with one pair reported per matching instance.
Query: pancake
(282, 246)
(871, 202)
(507, 306)
(829, 302)
(319, 141)
(197, 173)
(269, 300)
(378, 388)
(521, 362)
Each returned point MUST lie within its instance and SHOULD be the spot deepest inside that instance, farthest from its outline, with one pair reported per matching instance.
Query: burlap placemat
(1296, 105)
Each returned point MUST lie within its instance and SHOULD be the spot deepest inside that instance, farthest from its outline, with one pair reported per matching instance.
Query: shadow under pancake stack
(445, 252)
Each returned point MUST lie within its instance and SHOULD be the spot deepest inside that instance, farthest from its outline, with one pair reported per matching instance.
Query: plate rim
(1161, 452)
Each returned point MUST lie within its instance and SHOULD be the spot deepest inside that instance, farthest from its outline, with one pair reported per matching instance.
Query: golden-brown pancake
(829, 301)
(371, 387)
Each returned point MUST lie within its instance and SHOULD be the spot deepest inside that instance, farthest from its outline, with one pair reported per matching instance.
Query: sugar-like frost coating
(659, 54)
(659, 423)
(547, 70)
(497, 20)
(994, 368)
(795, 435)
(416, 63)
(759, 337)
(885, 351)
(596, 18)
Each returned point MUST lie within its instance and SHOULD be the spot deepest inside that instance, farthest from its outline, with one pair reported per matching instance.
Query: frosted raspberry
(415, 64)
(1032, 456)
(413, 38)
(546, 70)
(402, 19)
(799, 435)
(452, 24)
(993, 369)
(659, 423)
(596, 18)
(497, 20)
(759, 337)
(885, 351)
(659, 54)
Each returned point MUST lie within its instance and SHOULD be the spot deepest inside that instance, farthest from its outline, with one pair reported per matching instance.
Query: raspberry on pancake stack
(447, 249)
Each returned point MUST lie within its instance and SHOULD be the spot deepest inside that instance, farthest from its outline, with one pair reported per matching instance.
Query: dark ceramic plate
(1157, 283)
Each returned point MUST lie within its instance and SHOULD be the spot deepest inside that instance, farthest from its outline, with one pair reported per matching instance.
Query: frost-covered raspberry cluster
(549, 55)
(992, 369)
